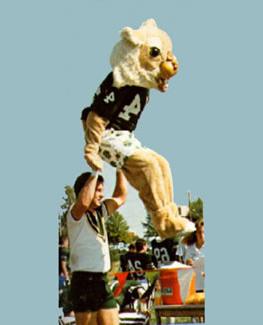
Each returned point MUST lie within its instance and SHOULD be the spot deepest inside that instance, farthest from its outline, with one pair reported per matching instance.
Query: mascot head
(143, 57)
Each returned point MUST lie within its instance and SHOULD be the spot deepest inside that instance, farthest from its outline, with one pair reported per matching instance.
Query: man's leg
(108, 317)
(83, 298)
(86, 318)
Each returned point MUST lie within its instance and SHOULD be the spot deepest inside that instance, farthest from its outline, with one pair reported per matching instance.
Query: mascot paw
(167, 224)
(94, 161)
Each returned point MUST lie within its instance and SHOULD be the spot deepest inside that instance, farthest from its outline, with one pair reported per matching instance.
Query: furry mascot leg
(149, 173)
(166, 174)
(146, 171)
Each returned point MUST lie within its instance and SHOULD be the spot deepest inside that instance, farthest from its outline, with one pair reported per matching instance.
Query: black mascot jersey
(121, 106)
(164, 251)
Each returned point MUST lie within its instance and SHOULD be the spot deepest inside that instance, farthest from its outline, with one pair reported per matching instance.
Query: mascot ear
(130, 35)
(149, 23)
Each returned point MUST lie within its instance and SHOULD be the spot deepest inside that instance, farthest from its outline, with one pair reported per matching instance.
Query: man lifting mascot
(141, 60)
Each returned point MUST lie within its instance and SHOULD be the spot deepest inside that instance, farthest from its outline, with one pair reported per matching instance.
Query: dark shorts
(90, 292)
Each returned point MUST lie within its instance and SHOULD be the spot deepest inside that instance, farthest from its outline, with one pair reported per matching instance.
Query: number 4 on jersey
(133, 108)
(109, 98)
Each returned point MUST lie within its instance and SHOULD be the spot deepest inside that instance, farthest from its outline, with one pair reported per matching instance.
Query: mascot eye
(154, 51)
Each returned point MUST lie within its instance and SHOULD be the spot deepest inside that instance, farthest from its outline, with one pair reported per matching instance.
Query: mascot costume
(141, 60)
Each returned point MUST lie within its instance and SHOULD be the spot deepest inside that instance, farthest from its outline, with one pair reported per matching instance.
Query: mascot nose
(169, 67)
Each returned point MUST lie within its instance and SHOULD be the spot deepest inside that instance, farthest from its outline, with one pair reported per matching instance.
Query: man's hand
(119, 194)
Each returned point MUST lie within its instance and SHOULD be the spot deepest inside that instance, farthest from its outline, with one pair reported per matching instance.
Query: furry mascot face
(143, 57)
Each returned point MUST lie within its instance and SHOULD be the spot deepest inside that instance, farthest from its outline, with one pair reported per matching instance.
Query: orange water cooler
(176, 285)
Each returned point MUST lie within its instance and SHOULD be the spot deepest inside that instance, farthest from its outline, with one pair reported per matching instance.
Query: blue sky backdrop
(208, 125)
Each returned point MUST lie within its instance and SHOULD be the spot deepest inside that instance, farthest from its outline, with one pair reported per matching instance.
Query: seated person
(139, 261)
(124, 257)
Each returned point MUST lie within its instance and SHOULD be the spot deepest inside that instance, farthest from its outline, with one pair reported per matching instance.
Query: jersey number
(109, 98)
(161, 254)
(134, 267)
(134, 108)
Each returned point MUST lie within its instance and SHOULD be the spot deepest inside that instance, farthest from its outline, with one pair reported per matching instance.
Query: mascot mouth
(162, 84)
(167, 70)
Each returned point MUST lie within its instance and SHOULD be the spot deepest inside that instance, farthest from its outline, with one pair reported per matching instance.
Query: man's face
(98, 195)
(145, 248)
(200, 233)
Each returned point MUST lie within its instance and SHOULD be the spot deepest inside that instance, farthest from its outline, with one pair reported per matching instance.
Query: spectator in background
(132, 248)
(137, 284)
(124, 257)
(164, 250)
(64, 277)
(64, 272)
(181, 250)
(195, 243)
(194, 252)
(139, 261)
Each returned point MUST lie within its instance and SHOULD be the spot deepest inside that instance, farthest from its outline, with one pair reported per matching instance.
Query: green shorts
(90, 292)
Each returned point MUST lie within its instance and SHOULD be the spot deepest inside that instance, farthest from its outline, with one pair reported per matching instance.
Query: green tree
(117, 228)
(149, 230)
(68, 201)
(196, 210)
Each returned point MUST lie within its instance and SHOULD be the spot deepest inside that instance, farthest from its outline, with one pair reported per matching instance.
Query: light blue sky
(208, 125)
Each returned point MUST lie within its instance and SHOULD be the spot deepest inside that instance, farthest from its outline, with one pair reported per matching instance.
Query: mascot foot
(168, 224)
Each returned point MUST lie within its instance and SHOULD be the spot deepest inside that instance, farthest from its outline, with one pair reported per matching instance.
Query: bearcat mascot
(141, 60)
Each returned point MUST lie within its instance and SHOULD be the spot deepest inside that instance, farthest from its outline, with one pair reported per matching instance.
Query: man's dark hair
(82, 179)
(131, 246)
(140, 244)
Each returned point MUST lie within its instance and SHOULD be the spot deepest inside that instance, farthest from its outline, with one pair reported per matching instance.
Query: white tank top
(89, 248)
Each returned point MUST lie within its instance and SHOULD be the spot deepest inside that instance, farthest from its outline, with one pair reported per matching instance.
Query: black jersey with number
(165, 250)
(137, 262)
(121, 106)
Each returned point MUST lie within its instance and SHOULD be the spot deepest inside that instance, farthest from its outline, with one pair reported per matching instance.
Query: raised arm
(94, 127)
(84, 198)
(119, 194)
